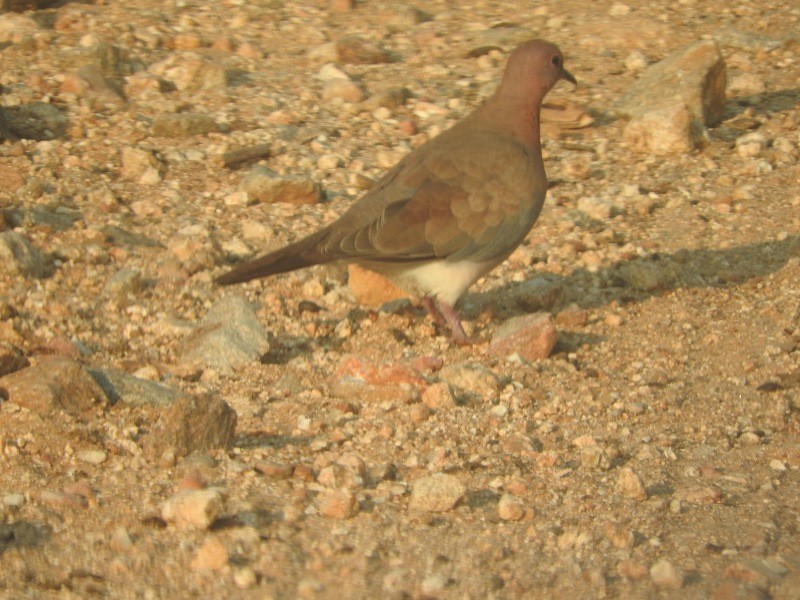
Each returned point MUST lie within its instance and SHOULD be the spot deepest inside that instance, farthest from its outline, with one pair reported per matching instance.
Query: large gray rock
(694, 76)
(229, 337)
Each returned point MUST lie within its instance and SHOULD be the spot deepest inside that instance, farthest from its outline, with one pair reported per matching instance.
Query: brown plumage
(454, 208)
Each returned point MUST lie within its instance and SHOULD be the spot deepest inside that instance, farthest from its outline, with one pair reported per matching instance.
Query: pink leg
(430, 305)
(457, 333)
(445, 314)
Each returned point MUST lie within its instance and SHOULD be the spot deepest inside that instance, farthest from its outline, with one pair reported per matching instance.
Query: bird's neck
(518, 118)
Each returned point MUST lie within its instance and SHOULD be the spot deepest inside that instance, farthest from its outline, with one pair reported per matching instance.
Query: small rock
(572, 316)
(184, 124)
(510, 508)
(355, 50)
(192, 424)
(264, 185)
(618, 535)
(194, 509)
(645, 275)
(211, 556)
(191, 73)
(337, 504)
(370, 288)
(664, 574)
(245, 578)
(56, 383)
(14, 500)
(342, 89)
(229, 336)
(11, 359)
(340, 476)
(63, 499)
(631, 485)
(597, 208)
(751, 145)
(533, 337)
(141, 165)
(436, 493)
(439, 396)
(433, 585)
(120, 386)
(698, 494)
(93, 457)
(19, 257)
(540, 294)
(665, 129)
(471, 377)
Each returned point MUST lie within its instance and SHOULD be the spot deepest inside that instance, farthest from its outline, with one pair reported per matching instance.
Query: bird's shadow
(696, 268)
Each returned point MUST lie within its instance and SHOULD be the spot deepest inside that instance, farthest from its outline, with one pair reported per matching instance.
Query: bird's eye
(556, 60)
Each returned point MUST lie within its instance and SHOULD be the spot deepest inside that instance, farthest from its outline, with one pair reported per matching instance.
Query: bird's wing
(456, 200)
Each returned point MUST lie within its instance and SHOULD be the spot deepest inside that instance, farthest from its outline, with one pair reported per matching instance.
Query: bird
(452, 209)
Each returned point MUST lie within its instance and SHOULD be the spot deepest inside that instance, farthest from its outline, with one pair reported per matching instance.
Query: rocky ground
(165, 438)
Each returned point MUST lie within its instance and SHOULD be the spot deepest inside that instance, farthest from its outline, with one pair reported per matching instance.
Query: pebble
(665, 129)
(631, 485)
(664, 574)
(510, 508)
(471, 377)
(14, 500)
(356, 50)
(532, 337)
(19, 257)
(192, 423)
(539, 294)
(183, 124)
(342, 89)
(245, 578)
(751, 145)
(436, 493)
(194, 509)
(439, 396)
(93, 457)
(262, 184)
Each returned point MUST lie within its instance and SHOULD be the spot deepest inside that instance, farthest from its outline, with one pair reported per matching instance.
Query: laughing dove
(451, 210)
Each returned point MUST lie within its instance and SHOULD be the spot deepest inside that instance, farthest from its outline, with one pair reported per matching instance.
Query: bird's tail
(302, 253)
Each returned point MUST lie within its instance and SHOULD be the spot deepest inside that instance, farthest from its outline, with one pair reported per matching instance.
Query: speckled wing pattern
(470, 199)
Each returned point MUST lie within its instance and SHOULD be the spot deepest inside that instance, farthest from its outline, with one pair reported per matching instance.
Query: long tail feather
(303, 253)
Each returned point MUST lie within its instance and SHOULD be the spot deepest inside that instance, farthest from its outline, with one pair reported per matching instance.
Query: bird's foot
(445, 314)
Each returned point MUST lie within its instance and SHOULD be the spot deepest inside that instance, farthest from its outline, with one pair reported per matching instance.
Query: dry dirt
(654, 454)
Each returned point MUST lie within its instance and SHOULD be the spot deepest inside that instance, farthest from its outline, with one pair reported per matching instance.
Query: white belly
(440, 279)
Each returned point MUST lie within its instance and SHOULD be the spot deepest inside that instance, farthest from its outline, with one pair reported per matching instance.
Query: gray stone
(694, 76)
(230, 336)
(128, 389)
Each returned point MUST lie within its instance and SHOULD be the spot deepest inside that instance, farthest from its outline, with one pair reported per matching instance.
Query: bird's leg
(432, 308)
(453, 320)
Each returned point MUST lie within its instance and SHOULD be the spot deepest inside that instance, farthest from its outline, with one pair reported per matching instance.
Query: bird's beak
(569, 77)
